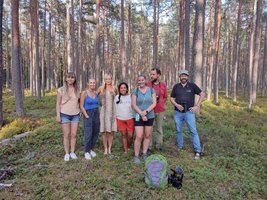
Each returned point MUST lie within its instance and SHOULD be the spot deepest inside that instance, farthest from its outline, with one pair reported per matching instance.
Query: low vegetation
(234, 164)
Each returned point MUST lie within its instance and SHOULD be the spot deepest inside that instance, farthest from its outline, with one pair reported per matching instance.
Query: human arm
(178, 106)
(58, 106)
(198, 104)
(83, 95)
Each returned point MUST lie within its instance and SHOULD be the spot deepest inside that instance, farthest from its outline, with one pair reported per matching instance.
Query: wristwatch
(146, 111)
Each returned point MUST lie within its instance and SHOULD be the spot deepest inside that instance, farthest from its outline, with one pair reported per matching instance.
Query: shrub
(17, 126)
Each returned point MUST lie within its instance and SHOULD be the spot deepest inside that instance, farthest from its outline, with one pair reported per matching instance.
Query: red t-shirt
(161, 91)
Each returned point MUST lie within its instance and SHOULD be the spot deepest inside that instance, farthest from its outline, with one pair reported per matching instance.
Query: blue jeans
(91, 129)
(190, 120)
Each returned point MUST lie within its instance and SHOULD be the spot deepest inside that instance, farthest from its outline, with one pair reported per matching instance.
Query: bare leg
(73, 134)
(138, 139)
(147, 135)
(105, 142)
(66, 140)
(110, 137)
(124, 141)
(129, 139)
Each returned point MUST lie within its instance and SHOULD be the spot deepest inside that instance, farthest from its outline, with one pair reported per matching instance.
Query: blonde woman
(89, 108)
(108, 124)
(68, 113)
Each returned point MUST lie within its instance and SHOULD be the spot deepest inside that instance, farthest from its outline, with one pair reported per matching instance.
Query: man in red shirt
(162, 95)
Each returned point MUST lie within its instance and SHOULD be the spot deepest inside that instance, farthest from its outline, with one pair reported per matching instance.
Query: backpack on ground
(156, 175)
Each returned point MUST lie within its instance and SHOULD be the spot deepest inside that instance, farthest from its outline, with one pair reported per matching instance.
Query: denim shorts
(69, 118)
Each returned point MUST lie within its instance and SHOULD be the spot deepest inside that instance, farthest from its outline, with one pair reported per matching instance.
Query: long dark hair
(127, 87)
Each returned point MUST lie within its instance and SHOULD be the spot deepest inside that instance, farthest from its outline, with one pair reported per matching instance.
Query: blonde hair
(104, 86)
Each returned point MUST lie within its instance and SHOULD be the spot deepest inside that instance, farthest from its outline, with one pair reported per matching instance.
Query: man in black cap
(183, 99)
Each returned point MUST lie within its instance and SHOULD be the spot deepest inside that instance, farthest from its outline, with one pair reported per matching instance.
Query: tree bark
(16, 68)
(155, 35)
(123, 53)
(210, 54)
(97, 42)
(251, 54)
(236, 51)
(49, 49)
(69, 57)
(198, 43)
(217, 25)
(264, 66)
(187, 34)
(1, 64)
(256, 57)
(36, 48)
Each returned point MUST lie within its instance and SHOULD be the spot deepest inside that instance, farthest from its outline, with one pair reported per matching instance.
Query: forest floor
(234, 164)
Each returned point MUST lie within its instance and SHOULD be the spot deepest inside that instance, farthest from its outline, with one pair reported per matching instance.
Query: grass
(234, 165)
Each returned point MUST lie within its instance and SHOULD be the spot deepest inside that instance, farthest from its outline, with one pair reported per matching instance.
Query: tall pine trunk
(1, 64)
(16, 67)
(257, 53)
(236, 51)
(198, 43)
(217, 26)
(123, 53)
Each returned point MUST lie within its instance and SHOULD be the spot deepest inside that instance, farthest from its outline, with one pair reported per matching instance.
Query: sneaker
(136, 160)
(93, 154)
(197, 156)
(73, 156)
(67, 157)
(144, 156)
(149, 152)
(87, 156)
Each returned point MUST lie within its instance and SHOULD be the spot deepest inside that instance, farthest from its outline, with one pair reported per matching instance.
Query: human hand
(180, 107)
(58, 119)
(194, 109)
(143, 113)
(144, 118)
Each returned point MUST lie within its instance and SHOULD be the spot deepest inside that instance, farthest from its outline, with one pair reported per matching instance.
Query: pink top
(161, 91)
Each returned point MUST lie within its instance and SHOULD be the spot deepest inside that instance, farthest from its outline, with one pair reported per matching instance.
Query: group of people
(126, 113)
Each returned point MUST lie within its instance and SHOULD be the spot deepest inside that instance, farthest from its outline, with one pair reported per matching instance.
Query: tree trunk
(49, 49)
(43, 52)
(236, 51)
(181, 38)
(123, 53)
(36, 48)
(210, 54)
(7, 56)
(16, 68)
(129, 42)
(79, 56)
(251, 54)
(256, 57)
(155, 35)
(97, 42)
(217, 25)
(72, 38)
(69, 57)
(264, 66)
(187, 34)
(198, 43)
(1, 64)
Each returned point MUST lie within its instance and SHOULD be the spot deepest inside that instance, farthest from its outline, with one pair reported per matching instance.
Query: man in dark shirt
(183, 99)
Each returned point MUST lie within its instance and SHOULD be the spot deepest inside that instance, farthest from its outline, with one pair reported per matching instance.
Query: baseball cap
(184, 71)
